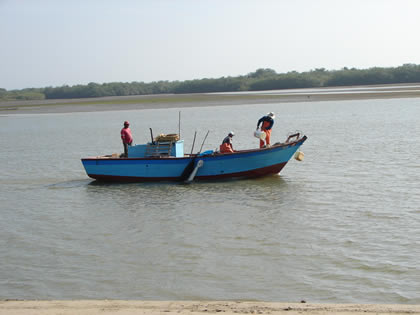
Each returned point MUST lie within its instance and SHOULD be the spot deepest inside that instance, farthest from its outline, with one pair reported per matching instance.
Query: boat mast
(179, 124)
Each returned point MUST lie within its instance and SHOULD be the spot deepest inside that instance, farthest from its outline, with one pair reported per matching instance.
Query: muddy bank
(211, 99)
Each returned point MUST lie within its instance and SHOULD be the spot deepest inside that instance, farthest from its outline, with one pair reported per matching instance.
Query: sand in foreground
(96, 307)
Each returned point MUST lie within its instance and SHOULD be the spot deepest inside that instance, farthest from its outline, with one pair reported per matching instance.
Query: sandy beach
(140, 102)
(93, 307)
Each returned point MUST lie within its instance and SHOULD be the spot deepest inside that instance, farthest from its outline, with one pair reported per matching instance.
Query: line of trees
(261, 79)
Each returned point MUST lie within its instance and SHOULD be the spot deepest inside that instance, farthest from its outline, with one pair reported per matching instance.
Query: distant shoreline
(94, 307)
(141, 102)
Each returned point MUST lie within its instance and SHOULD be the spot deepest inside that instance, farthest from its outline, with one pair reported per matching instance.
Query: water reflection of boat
(166, 161)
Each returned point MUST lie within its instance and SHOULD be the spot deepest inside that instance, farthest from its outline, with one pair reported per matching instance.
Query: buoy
(299, 156)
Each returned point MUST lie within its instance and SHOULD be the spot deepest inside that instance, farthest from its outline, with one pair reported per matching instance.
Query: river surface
(341, 226)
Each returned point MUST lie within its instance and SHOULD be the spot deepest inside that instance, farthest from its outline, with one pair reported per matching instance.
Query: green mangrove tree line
(261, 79)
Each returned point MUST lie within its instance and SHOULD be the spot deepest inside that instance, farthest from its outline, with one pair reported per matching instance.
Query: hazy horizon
(49, 43)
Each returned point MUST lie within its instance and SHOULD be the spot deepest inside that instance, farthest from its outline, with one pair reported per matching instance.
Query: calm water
(341, 226)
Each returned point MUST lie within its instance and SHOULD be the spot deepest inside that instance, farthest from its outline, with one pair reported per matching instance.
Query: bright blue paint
(245, 162)
(178, 149)
(206, 152)
(139, 150)
(173, 167)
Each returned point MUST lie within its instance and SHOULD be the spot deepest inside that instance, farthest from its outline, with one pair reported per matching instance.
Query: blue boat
(166, 161)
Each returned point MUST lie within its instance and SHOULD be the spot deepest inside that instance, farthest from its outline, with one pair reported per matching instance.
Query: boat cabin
(157, 149)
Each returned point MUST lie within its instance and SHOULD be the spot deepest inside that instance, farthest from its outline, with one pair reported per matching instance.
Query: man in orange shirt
(226, 146)
(126, 137)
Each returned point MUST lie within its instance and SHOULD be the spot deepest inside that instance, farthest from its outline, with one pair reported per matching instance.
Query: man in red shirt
(126, 137)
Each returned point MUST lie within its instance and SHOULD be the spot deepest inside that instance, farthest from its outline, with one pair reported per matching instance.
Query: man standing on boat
(226, 146)
(126, 137)
(267, 123)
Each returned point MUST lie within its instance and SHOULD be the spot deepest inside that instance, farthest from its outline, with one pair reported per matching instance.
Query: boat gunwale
(211, 155)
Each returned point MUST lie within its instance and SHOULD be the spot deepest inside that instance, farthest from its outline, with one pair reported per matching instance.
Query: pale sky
(57, 42)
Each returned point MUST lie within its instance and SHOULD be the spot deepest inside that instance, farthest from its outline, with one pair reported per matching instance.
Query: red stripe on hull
(269, 170)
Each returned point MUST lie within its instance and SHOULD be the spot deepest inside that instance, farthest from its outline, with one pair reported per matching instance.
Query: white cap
(231, 133)
(271, 114)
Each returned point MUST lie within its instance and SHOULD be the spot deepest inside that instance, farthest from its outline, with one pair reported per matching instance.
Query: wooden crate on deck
(172, 137)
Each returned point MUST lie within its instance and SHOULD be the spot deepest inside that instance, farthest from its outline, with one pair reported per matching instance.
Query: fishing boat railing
(290, 137)
(158, 149)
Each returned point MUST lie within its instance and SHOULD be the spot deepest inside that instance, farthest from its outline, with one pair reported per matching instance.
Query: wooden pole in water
(192, 148)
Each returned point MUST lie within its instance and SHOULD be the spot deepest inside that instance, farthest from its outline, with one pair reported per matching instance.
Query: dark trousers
(125, 149)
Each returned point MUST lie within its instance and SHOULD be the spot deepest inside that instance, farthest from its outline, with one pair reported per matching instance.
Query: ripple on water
(342, 226)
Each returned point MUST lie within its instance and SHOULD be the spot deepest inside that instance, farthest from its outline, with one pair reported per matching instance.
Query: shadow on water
(266, 188)
(266, 181)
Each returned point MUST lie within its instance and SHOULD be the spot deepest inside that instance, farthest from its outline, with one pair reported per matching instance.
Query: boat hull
(241, 164)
